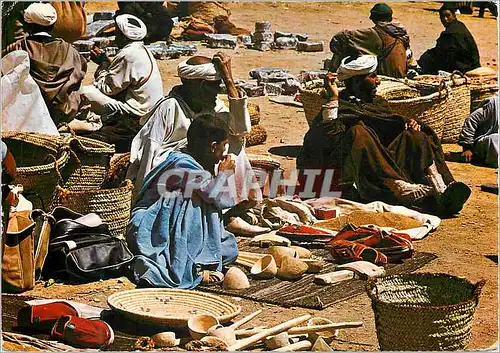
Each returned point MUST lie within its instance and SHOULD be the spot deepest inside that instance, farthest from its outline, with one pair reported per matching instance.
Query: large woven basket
(170, 308)
(257, 136)
(39, 159)
(312, 97)
(423, 311)
(458, 103)
(88, 165)
(270, 168)
(481, 88)
(112, 205)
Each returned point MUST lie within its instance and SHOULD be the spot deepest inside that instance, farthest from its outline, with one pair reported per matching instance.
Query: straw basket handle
(478, 288)
(370, 286)
(456, 73)
(56, 165)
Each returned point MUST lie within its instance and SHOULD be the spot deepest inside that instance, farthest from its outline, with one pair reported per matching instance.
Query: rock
(225, 41)
(97, 300)
(290, 86)
(83, 45)
(266, 36)
(273, 89)
(310, 75)
(300, 37)
(262, 26)
(162, 50)
(103, 42)
(285, 43)
(244, 39)
(269, 74)
(263, 46)
(310, 46)
(97, 27)
(253, 90)
(103, 16)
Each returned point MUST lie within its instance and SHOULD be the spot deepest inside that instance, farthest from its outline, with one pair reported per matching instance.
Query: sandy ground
(460, 243)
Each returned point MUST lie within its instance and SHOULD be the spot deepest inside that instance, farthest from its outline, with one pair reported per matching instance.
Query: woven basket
(481, 88)
(270, 168)
(170, 308)
(88, 164)
(428, 108)
(254, 111)
(257, 136)
(423, 311)
(112, 205)
(312, 97)
(458, 103)
(39, 159)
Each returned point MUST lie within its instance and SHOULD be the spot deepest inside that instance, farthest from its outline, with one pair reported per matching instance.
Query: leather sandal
(211, 278)
(351, 251)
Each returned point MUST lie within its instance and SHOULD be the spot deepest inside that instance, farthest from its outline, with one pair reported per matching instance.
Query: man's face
(369, 86)
(120, 39)
(446, 17)
(218, 150)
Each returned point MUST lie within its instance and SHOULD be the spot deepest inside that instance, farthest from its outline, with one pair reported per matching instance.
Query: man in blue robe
(176, 229)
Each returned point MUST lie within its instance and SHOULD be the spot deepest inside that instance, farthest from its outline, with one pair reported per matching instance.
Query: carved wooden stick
(299, 346)
(245, 319)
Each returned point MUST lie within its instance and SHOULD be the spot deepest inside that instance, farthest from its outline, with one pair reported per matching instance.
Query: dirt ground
(460, 243)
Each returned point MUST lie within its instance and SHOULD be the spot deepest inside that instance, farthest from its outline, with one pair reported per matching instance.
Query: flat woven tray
(170, 307)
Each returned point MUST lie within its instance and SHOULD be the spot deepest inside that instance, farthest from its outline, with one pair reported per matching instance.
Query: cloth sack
(23, 107)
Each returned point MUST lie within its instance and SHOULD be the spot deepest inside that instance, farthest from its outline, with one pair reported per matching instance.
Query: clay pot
(303, 252)
(327, 335)
(265, 268)
(279, 251)
(235, 279)
(224, 333)
(165, 339)
(291, 268)
(198, 325)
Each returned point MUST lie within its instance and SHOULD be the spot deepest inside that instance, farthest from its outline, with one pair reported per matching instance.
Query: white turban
(363, 65)
(198, 72)
(129, 30)
(40, 14)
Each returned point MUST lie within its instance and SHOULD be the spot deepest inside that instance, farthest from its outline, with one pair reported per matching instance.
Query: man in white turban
(55, 65)
(376, 155)
(165, 127)
(125, 88)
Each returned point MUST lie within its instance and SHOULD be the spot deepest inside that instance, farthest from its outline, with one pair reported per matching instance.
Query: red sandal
(352, 251)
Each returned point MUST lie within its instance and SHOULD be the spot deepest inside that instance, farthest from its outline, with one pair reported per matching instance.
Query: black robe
(455, 49)
(368, 146)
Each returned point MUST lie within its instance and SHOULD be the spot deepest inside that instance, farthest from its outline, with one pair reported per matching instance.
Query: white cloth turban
(363, 65)
(130, 30)
(198, 72)
(40, 14)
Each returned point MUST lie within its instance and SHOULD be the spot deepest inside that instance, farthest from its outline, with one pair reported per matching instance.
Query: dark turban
(381, 12)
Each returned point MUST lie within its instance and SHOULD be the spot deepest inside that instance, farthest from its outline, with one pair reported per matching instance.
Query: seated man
(388, 40)
(455, 48)
(165, 127)
(479, 136)
(387, 157)
(55, 65)
(125, 88)
(176, 229)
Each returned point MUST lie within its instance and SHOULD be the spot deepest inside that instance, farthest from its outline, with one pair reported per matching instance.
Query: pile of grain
(381, 219)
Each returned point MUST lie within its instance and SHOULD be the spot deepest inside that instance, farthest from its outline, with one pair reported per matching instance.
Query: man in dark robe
(56, 66)
(387, 157)
(388, 40)
(455, 48)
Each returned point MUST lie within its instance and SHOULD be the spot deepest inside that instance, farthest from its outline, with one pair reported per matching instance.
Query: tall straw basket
(481, 88)
(88, 164)
(112, 205)
(39, 159)
(170, 308)
(423, 311)
(458, 103)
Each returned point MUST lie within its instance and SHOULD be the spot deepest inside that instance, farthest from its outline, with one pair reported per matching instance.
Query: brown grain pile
(359, 218)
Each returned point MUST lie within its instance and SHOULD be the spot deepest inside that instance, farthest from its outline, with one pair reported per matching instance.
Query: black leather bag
(80, 251)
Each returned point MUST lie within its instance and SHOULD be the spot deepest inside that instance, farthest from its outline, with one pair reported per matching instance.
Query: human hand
(331, 85)
(98, 55)
(412, 125)
(222, 63)
(467, 156)
(227, 165)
